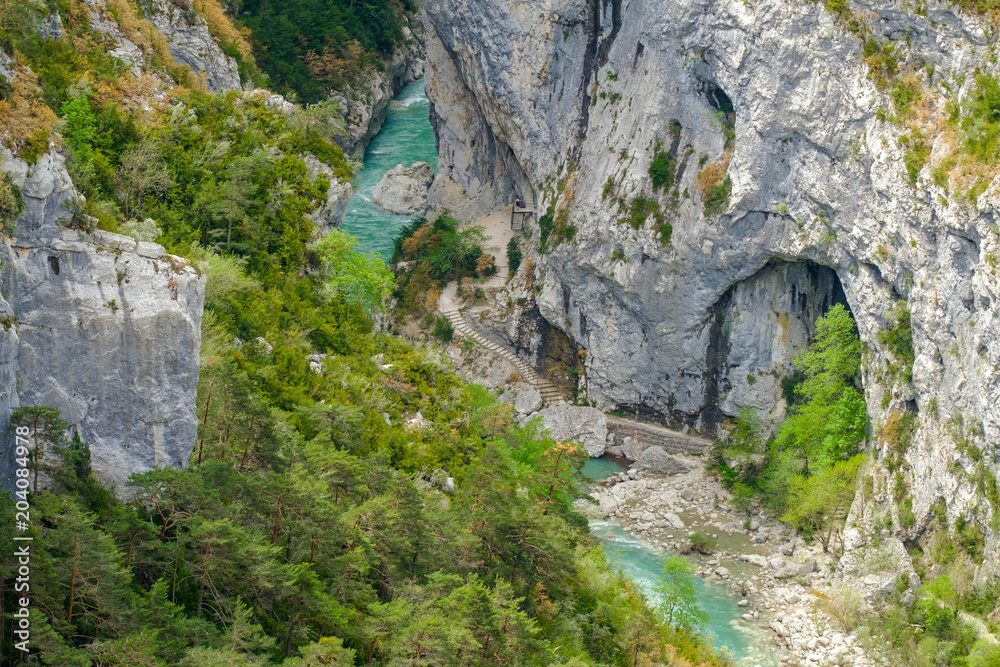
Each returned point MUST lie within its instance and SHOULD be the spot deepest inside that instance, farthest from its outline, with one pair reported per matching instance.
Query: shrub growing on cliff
(716, 197)
(662, 169)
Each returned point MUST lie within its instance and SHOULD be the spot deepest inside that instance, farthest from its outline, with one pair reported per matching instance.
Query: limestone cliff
(103, 328)
(572, 100)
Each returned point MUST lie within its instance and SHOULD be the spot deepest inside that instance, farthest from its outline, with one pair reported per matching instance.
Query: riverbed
(643, 562)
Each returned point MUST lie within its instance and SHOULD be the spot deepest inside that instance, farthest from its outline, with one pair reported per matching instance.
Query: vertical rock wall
(107, 330)
(582, 95)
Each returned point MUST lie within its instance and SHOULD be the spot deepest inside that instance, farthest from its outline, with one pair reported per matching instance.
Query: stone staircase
(462, 326)
(660, 436)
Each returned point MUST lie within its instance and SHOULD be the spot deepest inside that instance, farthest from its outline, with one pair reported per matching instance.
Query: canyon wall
(105, 329)
(678, 298)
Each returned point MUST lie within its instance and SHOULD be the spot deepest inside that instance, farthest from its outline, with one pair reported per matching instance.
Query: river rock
(754, 559)
(632, 448)
(656, 460)
(403, 190)
(588, 426)
(675, 521)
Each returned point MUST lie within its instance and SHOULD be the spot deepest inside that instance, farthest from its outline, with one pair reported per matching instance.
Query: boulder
(588, 426)
(632, 448)
(528, 401)
(656, 460)
(807, 567)
(403, 190)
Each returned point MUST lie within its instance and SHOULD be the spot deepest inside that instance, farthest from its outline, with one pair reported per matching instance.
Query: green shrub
(514, 255)
(897, 337)
(916, 155)
(443, 329)
(662, 170)
(641, 209)
(717, 197)
(701, 543)
(11, 202)
(980, 119)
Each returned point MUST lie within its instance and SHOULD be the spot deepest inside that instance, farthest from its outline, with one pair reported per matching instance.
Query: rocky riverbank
(781, 581)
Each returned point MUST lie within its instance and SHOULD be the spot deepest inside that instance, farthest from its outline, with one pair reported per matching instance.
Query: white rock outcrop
(588, 426)
(107, 330)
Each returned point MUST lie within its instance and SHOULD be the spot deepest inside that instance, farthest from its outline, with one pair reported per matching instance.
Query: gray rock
(117, 357)
(807, 567)
(191, 44)
(707, 324)
(754, 559)
(528, 401)
(51, 26)
(632, 448)
(588, 426)
(722, 572)
(403, 190)
(331, 213)
(675, 521)
(656, 460)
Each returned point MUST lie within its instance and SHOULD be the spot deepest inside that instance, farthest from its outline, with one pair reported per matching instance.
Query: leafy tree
(678, 605)
(358, 278)
(818, 504)
(830, 422)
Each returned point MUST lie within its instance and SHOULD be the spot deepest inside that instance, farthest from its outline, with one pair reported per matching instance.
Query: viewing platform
(522, 207)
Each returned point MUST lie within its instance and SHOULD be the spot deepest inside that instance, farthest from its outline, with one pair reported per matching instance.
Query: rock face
(331, 213)
(656, 460)
(587, 426)
(190, 43)
(108, 330)
(575, 101)
(403, 190)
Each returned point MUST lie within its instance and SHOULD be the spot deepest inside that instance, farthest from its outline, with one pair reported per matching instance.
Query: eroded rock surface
(107, 330)
(191, 44)
(587, 426)
(575, 102)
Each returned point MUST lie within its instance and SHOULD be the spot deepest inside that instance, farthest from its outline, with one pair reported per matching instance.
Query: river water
(406, 137)
(747, 647)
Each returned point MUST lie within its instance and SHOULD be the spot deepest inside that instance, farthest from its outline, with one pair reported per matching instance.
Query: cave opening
(755, 330)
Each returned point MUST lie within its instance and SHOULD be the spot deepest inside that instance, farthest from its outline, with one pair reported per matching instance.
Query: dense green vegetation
(436, 253)
(939, 628)
(312, 46)
(318, 523)
(807, 471)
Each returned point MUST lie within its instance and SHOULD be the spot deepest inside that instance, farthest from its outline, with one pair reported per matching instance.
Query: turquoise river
(407, 137)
